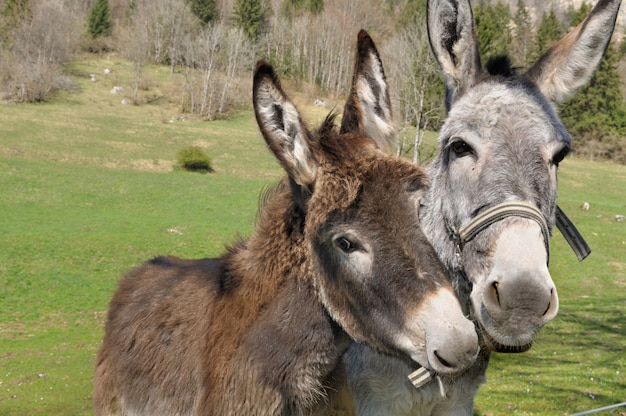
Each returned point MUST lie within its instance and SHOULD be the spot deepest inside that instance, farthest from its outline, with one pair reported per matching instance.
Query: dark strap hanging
(571, 234)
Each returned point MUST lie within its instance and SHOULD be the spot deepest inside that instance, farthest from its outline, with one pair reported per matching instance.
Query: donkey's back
(157, 305)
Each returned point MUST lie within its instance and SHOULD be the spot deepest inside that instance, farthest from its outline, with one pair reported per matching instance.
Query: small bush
(194, 159)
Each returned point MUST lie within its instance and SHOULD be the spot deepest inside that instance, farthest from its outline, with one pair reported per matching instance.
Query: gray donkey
(492, 204)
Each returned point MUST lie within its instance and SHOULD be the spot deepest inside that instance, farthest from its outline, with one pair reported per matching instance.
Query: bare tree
(238, 54)
(209, 44)
(136, 48)
(414, 73)
(319, 48)
(181, 25)
(170, 21)
(31, 67)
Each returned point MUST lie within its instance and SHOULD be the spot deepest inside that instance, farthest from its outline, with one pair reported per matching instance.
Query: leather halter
(525, 210)
(571, 234)
(467, 232)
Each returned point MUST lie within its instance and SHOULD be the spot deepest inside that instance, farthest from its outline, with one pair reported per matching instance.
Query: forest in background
(212, 45)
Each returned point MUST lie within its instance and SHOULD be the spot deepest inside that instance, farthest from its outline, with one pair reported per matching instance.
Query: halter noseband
(496, 213)
(525, 210)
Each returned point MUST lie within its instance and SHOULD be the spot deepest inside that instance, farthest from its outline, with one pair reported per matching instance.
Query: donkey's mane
(266, 194)
(501, 65)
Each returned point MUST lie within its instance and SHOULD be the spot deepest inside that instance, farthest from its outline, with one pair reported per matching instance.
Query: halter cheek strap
(571, 234)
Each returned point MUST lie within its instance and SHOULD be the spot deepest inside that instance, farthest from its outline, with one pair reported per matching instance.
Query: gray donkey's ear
(452, 37)
(368, 109)
(282, 127)
(571, 62)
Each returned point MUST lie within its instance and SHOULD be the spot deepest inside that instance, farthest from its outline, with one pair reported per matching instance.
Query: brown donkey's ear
(452, 37)
(282, 127)
(571, 62)
(368, 109)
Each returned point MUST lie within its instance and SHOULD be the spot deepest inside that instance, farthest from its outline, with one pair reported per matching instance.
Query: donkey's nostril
(495, 290)
(442, 361)
(549, 303)
(492, 298)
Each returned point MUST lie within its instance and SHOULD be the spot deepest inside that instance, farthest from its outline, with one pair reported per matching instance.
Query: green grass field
(88, 193)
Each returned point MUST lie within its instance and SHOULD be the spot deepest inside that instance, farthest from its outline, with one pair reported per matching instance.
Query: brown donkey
(337, 255)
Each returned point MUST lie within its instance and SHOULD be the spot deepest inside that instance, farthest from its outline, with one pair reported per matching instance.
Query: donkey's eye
(560, 155)
(460, 148)
(346, 245)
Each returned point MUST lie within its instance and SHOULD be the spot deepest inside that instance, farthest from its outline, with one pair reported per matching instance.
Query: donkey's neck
(433, 221)
(292, 350)
(295, 350)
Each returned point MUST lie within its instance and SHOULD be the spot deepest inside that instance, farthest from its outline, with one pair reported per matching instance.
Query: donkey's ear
(282, 127)
(368, 109)
(571, 62)
(452, 37)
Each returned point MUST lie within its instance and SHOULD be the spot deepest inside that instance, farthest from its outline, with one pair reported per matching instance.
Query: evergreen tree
(548, 32)
(596, 115)
(15, 10)
(492, 27)
(577, 16)
(597, 110)
(12, 13)
(291, 8)
(622, 46)
(205, 10)
(249, 16)
(100, 19)
(522, 39)
(315, 6)
(413, 13)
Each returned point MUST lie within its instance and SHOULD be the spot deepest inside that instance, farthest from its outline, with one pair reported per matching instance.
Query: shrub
(194, 159)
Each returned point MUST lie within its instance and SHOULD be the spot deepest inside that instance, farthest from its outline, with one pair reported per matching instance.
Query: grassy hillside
(88, 192)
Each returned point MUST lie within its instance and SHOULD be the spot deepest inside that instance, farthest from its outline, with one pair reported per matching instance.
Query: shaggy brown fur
(337, 254)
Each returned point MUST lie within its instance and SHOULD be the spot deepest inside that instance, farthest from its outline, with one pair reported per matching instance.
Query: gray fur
(515, 141)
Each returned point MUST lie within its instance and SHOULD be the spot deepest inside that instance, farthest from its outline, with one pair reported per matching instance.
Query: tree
(206, 10)
(418, 96)
(596, 115)
(135, 47)
(412, 13)
(238, 50)
(209, 42)
(575, 16)
(548, 32)
(315, 6)
(31, 66)
(15, 10)
(12, 14)
(622, 46)
(100, 19)
(492, 27)
(522, 35)
(249, 16)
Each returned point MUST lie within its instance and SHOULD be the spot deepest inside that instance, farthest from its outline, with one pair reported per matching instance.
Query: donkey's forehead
(339, 185)
(515, 106)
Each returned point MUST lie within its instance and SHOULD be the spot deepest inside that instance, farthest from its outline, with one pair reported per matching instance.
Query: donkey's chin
(492, 344)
